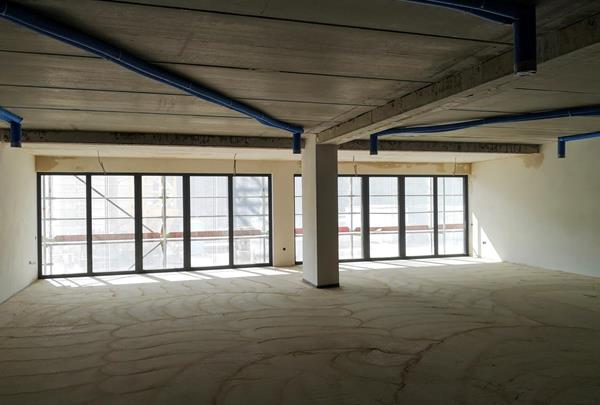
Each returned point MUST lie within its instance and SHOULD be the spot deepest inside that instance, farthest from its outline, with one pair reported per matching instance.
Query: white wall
(540, 210)
(18, 224)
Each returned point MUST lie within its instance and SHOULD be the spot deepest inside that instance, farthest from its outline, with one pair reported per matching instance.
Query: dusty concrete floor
(417, 332)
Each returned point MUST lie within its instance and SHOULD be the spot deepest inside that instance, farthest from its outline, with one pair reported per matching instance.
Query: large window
(419, 216)
(396, 216)
(209, 221)
(113, 223)
(383, 217)
(63, 224)
(162, 220)
(350, 217)
(109, 223)
(451, 215)
(251, 219)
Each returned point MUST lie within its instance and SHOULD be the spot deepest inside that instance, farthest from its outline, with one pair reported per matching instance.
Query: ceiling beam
(471, 84)
(225, 141)
(444, 146)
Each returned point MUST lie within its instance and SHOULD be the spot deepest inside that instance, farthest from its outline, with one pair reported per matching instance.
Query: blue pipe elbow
(373, 145)
(297, 144)
(15, 135)
(15, 126)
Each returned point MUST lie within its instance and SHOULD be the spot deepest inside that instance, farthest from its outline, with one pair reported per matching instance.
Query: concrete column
(320, 214)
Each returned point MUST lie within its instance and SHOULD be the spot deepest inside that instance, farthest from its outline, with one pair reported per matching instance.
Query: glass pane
(451, 216)
(350, 217)
(209, 224)
(419, 243)
(162, 222)
(251, 220)
(383, 217)
(113, 223)
(64, 233)
(419, 216)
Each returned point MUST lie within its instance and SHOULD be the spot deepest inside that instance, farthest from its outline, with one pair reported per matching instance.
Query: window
(113, 223)
(350, 217)
(400, 212)
(451, 215)
(162, 222)
(383, 217)
(298, 230)
(209, 206)
(109, 223)
(251, 220)
(419, 216)
(63, 224)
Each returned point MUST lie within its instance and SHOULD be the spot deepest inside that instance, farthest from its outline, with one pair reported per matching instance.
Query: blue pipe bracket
(521, 17)
(588, 111)
(562, 141)
(25, 17)
(15, 126)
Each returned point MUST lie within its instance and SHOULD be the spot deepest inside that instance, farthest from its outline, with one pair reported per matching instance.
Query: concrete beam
(478, 81)
(223, 141)
(444, 146)
(149, 139)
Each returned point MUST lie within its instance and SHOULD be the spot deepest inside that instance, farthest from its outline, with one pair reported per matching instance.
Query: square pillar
(320, 214)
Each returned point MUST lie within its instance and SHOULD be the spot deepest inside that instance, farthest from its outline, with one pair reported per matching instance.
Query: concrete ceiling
(315, 63)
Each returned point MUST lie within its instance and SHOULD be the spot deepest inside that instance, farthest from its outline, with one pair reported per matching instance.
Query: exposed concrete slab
(307, 64)
(219, 39)
(57, 71)
(480, 333)
(391, 15)
(473, 84)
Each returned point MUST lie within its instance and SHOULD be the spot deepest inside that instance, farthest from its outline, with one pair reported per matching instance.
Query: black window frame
(365, 212)
(138, 222)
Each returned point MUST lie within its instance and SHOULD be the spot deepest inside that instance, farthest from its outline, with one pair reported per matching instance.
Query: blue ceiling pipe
(42, 24)
(522, 18)
(562, 141)
(502, 119)
(15, 126)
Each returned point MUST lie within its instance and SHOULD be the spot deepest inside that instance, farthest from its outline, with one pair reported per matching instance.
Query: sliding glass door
(419, 197)
(63, 231)
(451, 215)
(251, 220)
(113, 223)
(162, 222)
(383, 217)
(123, 223)
(350, 217)
(386, 217)
(209, 205)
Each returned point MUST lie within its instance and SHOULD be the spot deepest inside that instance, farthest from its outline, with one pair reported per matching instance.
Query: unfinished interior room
(300, 202)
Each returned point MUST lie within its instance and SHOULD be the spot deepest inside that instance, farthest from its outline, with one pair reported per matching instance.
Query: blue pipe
(536, 116)
(15, 126)
(522, 18)
(297, 143)
(562, 141)
(39, 23)
(498, 11)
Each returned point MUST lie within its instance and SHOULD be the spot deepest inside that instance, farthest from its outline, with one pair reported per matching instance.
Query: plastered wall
(282, 176)
(18, 224)
(540, 210)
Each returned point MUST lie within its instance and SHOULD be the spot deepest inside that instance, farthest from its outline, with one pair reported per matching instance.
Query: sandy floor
(453, 331)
